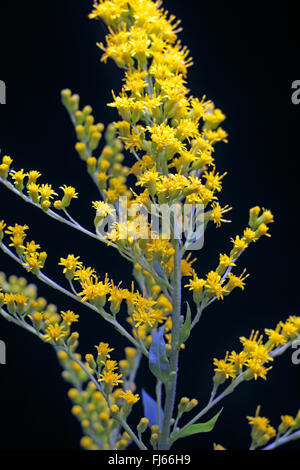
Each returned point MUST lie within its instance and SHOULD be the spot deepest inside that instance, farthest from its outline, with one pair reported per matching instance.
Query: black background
(241, 63)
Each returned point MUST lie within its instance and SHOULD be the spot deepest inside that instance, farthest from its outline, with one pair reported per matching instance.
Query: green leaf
(198, 427)
(150, 409)
(186, 327)
(158, 360)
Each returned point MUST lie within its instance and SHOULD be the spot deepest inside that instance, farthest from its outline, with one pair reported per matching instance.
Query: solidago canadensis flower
(167, 137)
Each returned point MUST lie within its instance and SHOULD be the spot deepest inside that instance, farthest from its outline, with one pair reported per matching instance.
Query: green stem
(210, 405)
(20, 322)
(227, 391)
(53, 214)
(170, 386)
(109, 318)
(283, 440)
(118, 418)
(158, 401)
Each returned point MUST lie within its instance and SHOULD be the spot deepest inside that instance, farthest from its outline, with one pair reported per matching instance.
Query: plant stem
(282, 440)
(18, 321)
(158, 401)
(170, 387)
(109, 318)
(118, 418)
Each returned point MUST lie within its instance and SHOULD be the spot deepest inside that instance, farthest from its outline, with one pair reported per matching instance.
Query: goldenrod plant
(167, 137)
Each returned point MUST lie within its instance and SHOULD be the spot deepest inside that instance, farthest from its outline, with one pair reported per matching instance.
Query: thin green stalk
(283, 440)
(231, 387)
(128, 386)
(72, 356)
(54, 215)
(118, 418)
(158, 401)
(170, 387)
(19, 322)
(210, 405)
(109, 318)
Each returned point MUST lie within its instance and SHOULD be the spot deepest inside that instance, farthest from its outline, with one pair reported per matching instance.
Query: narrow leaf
(199, 427)
(158, 360)
(150, 409)
(186, 327)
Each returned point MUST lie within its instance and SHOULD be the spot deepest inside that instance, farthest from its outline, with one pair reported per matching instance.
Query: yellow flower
(289, 330)
(31, 247)
(33, 191)
(110, 365)
(69, 194)
(239, 244)
(238, 360)
(103, 349)
(33, 262)
(54, 332)
(95, 291)
(69, 317)
(186, 266)
(262, 432)
(296, 321)
(17, 237)
(213, 181)
(18, 177)
(217, 212)
(70, 264)
(196, 285)
(33, 175)
(256, 369)
(214, 285)
(288, 421)
(117, 295)
(164, 138)
(46, 192)
(275, 337)
(147, 316)
(224, 369)
(249, 235)
(129, 397)
(218, 447)
(251, 344)
(224, 263)
(84, 274)
(102, 208)
(236, 281)
(260, 353)
(110, 378)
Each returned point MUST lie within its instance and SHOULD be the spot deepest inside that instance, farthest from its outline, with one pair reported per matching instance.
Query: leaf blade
(199, 427)
(150, 409)
(158, 360)
(186, 327)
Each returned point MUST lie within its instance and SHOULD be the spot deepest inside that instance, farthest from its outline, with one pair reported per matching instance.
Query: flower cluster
(107, 170)
(97, 417)
(171, 134)
(32, 259)
(145, 313)
(222, 281)
(20, 300)
(39, 194)
(262, 432)
(256, 354)
(170, 137)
